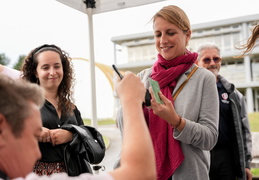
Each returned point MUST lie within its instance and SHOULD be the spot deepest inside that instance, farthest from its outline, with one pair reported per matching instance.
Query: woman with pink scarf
(185, 129)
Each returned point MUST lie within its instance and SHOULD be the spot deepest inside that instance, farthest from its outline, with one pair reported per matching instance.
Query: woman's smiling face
(170, 40)
(49, 70)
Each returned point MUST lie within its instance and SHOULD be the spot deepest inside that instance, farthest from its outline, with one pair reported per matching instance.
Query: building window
(255, 70)
(227, 42)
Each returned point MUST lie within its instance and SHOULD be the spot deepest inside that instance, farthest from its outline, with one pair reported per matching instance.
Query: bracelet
(179, 122)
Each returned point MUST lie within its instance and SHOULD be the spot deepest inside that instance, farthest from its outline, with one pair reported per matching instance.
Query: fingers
(54, 137)
(60, 136)
(45, 135)
(154, 105)
(163, 98)
(249, 174)
(44, 139)
(48, 139)
(131, 87)
(151, 92)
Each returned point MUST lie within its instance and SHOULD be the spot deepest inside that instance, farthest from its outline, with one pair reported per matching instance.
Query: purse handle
(182, 85)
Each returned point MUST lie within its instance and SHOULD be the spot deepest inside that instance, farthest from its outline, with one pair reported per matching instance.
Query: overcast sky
(26, 24)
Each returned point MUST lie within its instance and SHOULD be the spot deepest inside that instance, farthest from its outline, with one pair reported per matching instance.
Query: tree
(4, 60)
(18, 65)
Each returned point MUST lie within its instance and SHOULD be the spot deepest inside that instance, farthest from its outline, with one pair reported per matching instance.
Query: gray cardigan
(198, 104)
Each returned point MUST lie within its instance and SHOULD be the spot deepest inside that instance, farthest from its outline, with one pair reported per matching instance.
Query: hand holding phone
(155, 88)
(147, 96)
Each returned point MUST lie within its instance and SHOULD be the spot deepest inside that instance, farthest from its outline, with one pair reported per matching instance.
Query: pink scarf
(168, 150)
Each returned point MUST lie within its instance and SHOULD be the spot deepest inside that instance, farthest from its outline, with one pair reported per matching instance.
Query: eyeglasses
(215, 59)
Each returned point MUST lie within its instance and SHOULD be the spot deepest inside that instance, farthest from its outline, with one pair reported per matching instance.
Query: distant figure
(185, 128)
(13, 73)
(21, 127)
(232, 155)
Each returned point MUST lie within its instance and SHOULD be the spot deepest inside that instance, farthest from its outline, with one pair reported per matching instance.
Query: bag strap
(182, 85)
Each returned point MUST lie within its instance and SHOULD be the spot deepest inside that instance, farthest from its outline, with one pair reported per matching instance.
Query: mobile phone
(155, 88)
(147, 95)
(117, 71)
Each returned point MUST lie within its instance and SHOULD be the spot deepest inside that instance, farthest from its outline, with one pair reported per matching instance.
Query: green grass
(254, 125)
(254, 121)
(100, 122)
(255, 172)
(106, 141)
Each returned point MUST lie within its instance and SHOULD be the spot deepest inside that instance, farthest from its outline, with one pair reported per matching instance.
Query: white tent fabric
(106, 5)
(100, 6)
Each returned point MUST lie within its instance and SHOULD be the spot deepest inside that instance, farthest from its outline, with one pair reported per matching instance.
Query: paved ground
(114, 148)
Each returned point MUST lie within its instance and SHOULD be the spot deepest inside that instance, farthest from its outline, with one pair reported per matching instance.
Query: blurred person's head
(20, 126)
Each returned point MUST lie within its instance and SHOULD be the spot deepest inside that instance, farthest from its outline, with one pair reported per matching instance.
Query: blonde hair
(174, 15)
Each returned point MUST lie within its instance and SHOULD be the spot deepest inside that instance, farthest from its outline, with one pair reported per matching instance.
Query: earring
(37, 81)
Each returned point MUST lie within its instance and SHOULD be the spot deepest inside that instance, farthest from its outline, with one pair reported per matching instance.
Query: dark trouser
(222, 164)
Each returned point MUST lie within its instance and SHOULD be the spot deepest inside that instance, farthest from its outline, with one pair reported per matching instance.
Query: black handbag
(87, 142)
(87, 147)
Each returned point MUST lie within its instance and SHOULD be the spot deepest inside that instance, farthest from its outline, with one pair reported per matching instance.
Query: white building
(136, 52)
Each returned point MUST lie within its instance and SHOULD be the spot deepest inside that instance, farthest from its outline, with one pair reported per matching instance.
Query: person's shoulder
(203, 72)
(144, 73)
(239, 94)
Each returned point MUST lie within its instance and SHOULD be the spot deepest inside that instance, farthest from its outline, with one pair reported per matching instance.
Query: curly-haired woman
(51, 68)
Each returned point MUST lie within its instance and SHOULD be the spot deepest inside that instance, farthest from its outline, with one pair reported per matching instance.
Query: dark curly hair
(65, 92)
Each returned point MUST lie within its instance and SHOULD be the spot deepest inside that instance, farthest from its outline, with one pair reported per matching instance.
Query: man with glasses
(231, 156)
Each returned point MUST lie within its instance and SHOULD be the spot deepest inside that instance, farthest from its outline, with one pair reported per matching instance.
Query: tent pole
(92, 67)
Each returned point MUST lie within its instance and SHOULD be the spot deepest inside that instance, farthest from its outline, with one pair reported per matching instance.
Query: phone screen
(156, 88)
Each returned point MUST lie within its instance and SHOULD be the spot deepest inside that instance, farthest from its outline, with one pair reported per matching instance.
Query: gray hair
(205, 46)
(15, 96)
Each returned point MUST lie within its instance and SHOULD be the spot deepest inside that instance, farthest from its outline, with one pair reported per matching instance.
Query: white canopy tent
(91, 7)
